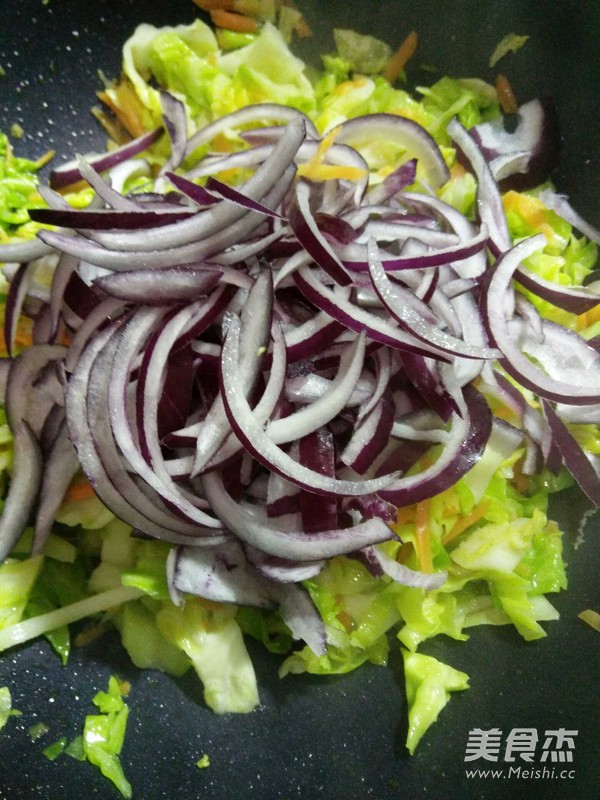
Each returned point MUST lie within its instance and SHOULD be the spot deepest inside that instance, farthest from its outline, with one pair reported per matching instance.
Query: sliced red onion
(577, 300)
(25, 370)
(301, 616)
(489, 200)
(561, 205)
(85, 409)
(522, 159)
(261, 446)
(370, 435)
(160, 287)
(242, 159)
(23, 251)
(104, 219)
(369, 506)
(224, 575)
(355, 318)
(402, 177)
(256, 112)
(426, 258)
(293, 545)
(221, 573)
(379, 563)
(104, 188)
(311, 337)
(175, 122)
(405, 133)
(23, 489)
(130, 338)
(226, 192)
(255, 325)
(226, 235)
(60, 467)
(63, 271)
(467, 438)
(151, 386)
(106, 311)
(583, 388)
(263, 411)
(312, 417)
(383, 370)
(393, 298)
(282, 498)
(69, 173)
(305, 228)
(15, 298)
(317, 452)
(423, 374)
(89, 420)
(282, 570)
(199, 194)
(466, 230)
(399, 232)
(573, 455)
(216, 217)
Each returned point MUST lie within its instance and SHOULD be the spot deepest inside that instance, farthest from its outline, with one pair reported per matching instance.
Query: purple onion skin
(317, 451)
(470, 451)
(573, 455)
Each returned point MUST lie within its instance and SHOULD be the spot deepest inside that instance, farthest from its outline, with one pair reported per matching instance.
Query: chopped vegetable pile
(300, 359)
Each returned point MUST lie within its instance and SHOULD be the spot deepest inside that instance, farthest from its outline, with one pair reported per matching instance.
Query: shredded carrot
(401, 57)
(126, 106)
(315, 170)
(423, 537)
(221, 144)
(529, 208)
(23, 335)
(520, 480)
(457, 170)
(405, 515)
(232, 21)
(89, 635)
(301, 28)
(346, 619)
(328, 172)
(465, 522)
(506, 96)
(80, 489)
(45, 158)
(588, 318)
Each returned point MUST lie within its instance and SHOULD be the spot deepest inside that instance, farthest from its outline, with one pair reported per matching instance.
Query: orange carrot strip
(588, 318)
(406, 514)
(465, 522)
(520, 481)
(80, 490)
(301, 28)
(89, 635)
(127, 107)
(506, 96)
(401, 57)
(232, 21)
(423, 538)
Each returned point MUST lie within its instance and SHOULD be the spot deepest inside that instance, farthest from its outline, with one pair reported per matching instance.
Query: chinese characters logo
(526, 752)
